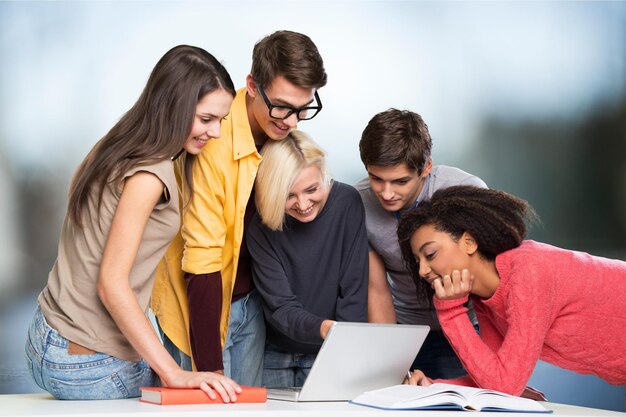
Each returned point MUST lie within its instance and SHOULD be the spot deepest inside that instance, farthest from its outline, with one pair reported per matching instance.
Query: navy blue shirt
(311, 272)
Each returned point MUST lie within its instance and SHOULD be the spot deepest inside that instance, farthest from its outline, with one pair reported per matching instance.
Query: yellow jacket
(212, 226)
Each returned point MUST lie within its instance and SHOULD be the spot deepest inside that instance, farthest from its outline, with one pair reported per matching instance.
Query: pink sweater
(563, 307)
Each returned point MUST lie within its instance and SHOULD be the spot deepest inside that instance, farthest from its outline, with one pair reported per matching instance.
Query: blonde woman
(309, 255)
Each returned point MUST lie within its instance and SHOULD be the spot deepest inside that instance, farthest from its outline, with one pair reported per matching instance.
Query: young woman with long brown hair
(90, 337)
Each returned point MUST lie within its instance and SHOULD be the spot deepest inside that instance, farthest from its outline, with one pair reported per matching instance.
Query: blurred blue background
(531, 96)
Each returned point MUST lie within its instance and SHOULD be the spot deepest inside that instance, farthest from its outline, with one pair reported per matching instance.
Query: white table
(46, 405)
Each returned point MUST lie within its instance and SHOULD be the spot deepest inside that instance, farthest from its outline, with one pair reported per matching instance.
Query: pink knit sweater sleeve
(491, 337)
(513, 324)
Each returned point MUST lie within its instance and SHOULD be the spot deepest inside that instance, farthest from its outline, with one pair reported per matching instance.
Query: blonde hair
(282, 161)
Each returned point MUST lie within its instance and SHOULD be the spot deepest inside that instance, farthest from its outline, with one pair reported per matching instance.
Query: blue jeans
(437, 359)
(285, 369)
(243, 351)
(66, 376)
(182, 359)
(245, 343)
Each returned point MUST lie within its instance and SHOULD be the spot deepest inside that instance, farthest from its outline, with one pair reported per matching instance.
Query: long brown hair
(156, 126)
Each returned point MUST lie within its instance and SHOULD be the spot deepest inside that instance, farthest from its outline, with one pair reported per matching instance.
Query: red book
(173, 396)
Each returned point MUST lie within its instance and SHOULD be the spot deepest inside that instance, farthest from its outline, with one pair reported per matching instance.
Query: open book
(173, 396)
(445, 397)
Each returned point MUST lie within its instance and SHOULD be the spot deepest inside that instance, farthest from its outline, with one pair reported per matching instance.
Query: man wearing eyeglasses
(209, 309)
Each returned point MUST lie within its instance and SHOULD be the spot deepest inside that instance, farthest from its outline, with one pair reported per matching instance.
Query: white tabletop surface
(46, 405)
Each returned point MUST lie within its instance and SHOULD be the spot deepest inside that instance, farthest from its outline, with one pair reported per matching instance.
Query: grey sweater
(383, 239)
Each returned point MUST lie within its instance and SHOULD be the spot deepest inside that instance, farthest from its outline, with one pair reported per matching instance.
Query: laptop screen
(358, 357)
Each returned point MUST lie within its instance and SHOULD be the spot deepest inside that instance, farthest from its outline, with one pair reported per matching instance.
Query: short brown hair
(396, 136)
(290, 54)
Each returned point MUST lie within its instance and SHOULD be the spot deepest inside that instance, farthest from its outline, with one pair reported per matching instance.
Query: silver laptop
(357, 357)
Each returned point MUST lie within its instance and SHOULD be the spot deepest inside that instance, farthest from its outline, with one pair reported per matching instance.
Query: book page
(478, 399)
(410, 396)
(493, 399)
(445, 396)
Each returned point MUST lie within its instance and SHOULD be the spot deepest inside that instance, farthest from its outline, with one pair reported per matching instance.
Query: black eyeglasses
(283, 112)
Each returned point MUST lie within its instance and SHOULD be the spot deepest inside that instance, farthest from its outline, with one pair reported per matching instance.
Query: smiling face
(307, 195)
(438, 254)
(396, 187)
(280, 93)
(207, 120)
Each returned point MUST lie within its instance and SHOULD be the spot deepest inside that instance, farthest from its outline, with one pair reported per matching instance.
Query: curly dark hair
(496, 220)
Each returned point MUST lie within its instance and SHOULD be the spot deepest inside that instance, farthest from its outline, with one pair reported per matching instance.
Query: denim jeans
(182, 359)
(243, 351)
(285, 369)
(67, 376)
(245, 343)
(437, 359)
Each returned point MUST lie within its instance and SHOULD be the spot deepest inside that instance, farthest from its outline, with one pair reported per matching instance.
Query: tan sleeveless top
(70, 301)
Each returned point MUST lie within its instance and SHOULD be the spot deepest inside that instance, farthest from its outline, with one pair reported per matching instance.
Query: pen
(408, 375)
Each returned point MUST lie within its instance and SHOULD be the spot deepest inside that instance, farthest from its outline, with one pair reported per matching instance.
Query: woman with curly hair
(533, 301)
